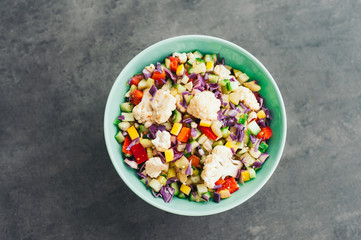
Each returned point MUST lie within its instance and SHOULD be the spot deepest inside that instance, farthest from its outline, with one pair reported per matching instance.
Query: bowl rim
(163, 206)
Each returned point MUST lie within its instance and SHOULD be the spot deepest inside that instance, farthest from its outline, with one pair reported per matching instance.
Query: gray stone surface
(59, 59)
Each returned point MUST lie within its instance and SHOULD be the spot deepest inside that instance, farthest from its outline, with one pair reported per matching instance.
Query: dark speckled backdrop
(58, 61)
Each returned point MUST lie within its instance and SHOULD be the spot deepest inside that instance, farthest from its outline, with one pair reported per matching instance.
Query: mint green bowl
(234, 56)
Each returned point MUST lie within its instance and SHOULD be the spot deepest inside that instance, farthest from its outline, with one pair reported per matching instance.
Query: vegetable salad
(193, 127)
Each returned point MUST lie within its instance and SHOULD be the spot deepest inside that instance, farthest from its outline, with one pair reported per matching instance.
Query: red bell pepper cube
(139, 153)
(208, 132)
(126, 143)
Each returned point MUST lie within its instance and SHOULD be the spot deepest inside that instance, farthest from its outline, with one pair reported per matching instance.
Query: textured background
(59, 59)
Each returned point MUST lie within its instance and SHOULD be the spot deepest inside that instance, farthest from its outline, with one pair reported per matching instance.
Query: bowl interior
(235, 57)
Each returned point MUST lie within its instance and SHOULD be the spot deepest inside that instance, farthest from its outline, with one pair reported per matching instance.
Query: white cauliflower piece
(219, 164)
(157, 110)
(204, 105)
(181, 56)
(248, 98)
(143, 112)
(163, 104)
(222, 72)
(154, 166)
(162, 141)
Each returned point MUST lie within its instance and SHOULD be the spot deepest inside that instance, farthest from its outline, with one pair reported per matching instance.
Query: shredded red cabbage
(141, 175)
(253, 138)
(146, 73)
(189, 148)
(131, 164)
(161, 128)
(194, 132)
(162, 158)
(189, 168)
(257, 164)
(167, 193)
(238, 174)
(217, 186)
(245, 109)
(261, 122)
(187, 120)
(200, 151)
(171, 180)
(260, 101)
(142, 168)
(170, 74)
(234, 152)
(132, 143)
(159, 67)
(193, 75)
(232, 105)
(217, 197)
(213, 86)
(156, 195)
(153, 90)
(205, 197)
(120, 117)
(206, 76)
(223, 61)
(177, 155)
(153, 130)
(263, 157)
(232, 113)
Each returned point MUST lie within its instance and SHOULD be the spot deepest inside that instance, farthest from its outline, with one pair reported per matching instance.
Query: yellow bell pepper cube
(225, 193)
(261, 114)
(185, 189)
(205, 123)
(209, 66)
(232, 145)
(133, 134)
(176, 129)
(169, 155)
(245, 176)
(180, 70)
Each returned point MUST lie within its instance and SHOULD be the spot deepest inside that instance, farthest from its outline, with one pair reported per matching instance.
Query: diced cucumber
(132, 88)
(167, 63)
(246, 136)
(202, 139)
(192, 197)
(168, 126)
(203, 159)
(116, 121)
(201, 188)
(180, 88)
(263, 147)
(197, 54)
(168, 85)
(150, 82)
(234, 85)
(142, 84)
(124, 125)
(219, 142)
(128, 117)
(119, 137)
(195, 179)
(214, 57)
(223, 83)
(225, 132)
(199, 68)
(228, 67)
(176, 116)
(243, 118)
(252, 172)
(181, 195)
(185, 79)
(213, 78)
(143, 129)
(162, 65)
(253, 127)
(188, 98)
(146, 142)
(248, 160)
(175, 186)
(208, 194)
(194, 145)
(199, 61)
(254, 154)
(155, 185)
(208, 58)
(191, 62)
(126, 107)
(143, 180)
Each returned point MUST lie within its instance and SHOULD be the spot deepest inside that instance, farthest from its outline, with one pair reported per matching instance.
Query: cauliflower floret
(222, 72)
(181, 56)
(157, 110)
(143, 112)
(219, 164)
(154, 166)
(162, 141)
(248, 98)
(204, 105)
(163, 104)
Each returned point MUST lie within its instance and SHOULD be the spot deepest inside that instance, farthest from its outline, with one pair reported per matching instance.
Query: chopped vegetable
(265, 133)
(139, 152)
(184, 134)
(136, 97)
